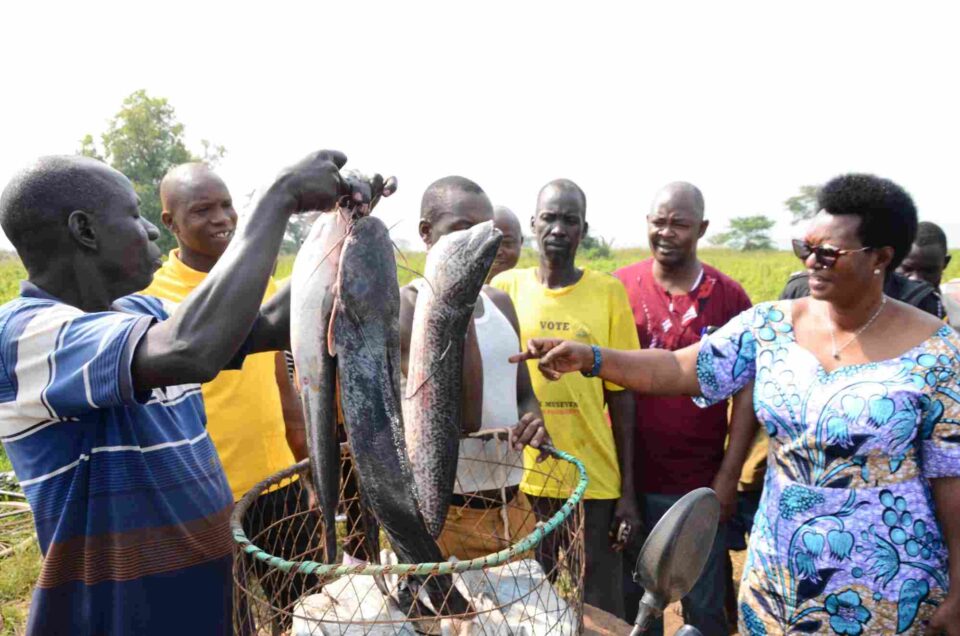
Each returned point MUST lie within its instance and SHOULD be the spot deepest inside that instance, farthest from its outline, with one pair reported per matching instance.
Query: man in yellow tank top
(253, 414)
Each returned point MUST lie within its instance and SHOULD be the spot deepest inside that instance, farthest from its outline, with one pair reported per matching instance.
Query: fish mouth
(486, 243)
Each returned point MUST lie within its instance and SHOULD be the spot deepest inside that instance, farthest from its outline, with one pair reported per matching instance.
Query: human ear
(80, 225)
(167, 219)
(704, 224)
(946, 261)
(424, 228)
(884, 256)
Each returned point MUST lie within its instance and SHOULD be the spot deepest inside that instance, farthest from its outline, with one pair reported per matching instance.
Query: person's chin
(559, 257)
(561, 248)
(670, 259)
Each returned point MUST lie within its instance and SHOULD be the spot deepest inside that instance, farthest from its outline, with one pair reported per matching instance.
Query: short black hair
(887, 214)
(930, 234)
(434, 200)
(565, 185)
(39, 199)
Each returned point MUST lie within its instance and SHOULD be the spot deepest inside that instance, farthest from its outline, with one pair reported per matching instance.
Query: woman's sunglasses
(824, 255)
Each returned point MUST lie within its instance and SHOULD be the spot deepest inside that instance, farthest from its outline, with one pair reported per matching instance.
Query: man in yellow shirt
(253, 414)
(558, 300)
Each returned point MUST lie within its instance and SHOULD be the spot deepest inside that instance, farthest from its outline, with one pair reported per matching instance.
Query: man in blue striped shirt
(100, 406)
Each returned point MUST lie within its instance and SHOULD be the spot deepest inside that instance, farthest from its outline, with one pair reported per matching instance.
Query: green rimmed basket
(528, 577)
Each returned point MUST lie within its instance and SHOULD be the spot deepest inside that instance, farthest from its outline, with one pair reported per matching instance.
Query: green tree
(596, 247)
(747, 233)
(297, 230)
(803, 205)
(143, 141)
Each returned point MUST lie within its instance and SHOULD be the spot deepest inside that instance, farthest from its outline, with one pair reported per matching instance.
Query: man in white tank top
(488, 511)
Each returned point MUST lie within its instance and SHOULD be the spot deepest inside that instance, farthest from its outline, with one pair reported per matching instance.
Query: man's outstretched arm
(211, 324)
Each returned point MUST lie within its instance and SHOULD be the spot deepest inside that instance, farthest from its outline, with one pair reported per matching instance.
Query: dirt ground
(597, 623)
(673, 620)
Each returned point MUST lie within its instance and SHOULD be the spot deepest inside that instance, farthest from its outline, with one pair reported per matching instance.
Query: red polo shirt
(679, 446)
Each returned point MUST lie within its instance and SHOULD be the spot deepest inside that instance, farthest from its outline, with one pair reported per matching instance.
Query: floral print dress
(846, 540)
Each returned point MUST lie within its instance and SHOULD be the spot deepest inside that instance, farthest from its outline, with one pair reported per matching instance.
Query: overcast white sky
(748, 100)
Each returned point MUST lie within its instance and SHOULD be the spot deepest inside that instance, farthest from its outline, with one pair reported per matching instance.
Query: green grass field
(762, 274)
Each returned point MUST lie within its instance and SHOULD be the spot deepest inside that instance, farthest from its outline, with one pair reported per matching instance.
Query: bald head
(180, 182)
(198, 211)
(680, 195)
(438, 197)
(559, 223)
(563, 189)
(37, 202)
(675, 225)
(506, 221)
(450, 204)
(509, 252)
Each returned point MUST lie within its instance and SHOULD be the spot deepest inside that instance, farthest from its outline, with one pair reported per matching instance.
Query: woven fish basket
(517, 559)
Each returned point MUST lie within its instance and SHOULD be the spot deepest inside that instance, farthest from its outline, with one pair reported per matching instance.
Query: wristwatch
(597, 360)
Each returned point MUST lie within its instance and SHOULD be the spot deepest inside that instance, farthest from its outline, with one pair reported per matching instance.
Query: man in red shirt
(679, 447)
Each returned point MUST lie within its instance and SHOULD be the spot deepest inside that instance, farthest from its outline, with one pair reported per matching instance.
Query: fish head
(458, 263)
(367, 285)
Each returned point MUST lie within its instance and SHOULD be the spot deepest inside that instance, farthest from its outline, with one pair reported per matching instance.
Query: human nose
(666, 230)
(222, 216)
(152, 232)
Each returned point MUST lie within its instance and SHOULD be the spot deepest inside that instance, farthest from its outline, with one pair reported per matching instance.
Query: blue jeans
(703, 607)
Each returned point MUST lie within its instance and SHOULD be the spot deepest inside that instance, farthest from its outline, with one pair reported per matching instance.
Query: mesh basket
(517, 559)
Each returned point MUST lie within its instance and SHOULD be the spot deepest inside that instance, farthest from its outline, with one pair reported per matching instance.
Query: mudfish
(366, 339)
(312, 295)
(457, 265)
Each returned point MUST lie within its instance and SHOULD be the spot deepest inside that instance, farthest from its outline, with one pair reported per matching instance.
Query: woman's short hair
(887, 214)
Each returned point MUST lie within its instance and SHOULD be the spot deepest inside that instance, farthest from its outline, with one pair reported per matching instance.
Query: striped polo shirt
(130, 501)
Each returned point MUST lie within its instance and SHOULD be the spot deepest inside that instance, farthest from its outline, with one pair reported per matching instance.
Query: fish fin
(331, 342)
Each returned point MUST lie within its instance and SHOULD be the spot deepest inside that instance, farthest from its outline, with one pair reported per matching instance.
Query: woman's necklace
(833, 334)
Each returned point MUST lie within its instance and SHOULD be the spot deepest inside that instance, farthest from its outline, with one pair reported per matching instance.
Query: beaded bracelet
(595, 371)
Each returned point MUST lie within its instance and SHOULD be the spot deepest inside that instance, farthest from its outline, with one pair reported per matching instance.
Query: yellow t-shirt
(244, 415)
(595, 310)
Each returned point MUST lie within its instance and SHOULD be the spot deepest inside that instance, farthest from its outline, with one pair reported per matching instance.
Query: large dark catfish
(457, 265)
(311, 306)
(366, 340)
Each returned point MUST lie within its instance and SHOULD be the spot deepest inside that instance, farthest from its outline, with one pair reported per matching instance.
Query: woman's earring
(876, 272)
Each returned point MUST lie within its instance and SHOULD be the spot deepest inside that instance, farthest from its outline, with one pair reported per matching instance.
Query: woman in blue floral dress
(860, 395)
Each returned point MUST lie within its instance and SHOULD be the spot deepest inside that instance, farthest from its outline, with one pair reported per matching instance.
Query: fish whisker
(399, 251)
(443, 355)
(332, 249)
(420, 274)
